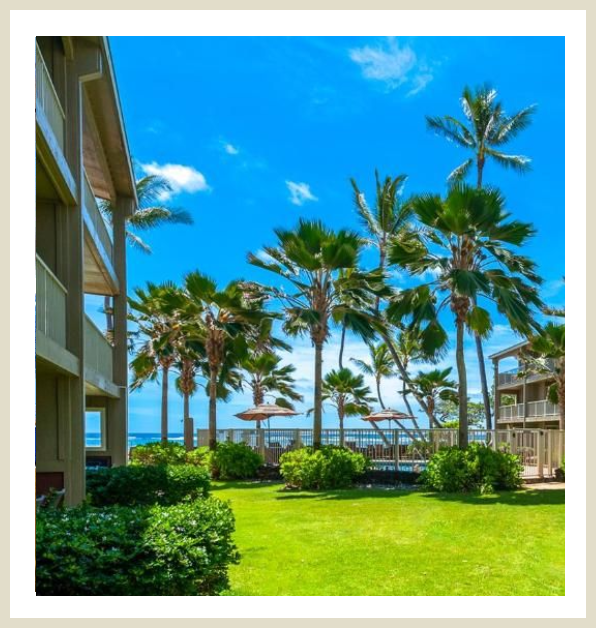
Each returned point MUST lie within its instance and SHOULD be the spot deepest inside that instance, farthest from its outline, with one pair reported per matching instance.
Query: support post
(540, 453)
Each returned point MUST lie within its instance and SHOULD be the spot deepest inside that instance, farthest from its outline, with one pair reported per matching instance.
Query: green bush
(176, 550)
(326, 468)
(477, 468)
(146, 485)
(234, 461)
(164, 452)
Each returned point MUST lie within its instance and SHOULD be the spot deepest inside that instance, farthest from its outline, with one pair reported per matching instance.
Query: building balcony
(99, 362)
(100, 276)
(512, 377)
(47, 99)
(50, 336)
(541, 410)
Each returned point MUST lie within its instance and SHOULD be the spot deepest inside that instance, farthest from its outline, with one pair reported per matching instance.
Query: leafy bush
(146, 485)
(176, 550)
(164, 452)
(454, 470)
(234, 461)
(325, 468)
(560, 472)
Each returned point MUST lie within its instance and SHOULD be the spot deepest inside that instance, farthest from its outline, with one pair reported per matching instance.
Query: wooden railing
(540, 451)
(98, 351)
(508, 377)
(513, 411)
(542, 408)
(97, 220)
(47, 98)
(50, 303)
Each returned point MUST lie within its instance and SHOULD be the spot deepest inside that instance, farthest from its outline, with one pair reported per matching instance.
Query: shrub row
(477, 468)
(326, 468)
(176, 550)
(165, 452)
(137, 485)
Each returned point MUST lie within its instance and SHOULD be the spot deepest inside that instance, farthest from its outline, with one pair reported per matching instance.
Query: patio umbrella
(265, 411)
(389, 414)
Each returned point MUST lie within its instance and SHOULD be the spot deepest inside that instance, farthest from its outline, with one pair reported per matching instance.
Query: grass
(386, 542)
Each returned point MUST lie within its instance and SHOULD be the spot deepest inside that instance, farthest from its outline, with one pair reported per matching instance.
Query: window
(95, 428)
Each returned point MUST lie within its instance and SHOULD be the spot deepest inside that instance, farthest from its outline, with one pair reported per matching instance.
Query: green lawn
(385, 542)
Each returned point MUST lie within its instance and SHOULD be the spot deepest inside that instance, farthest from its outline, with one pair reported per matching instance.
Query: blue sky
(254, 133)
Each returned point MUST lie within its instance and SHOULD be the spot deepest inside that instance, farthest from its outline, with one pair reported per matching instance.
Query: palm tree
(151, 214)
(546, 355)
(265, 375)
(465, 241)
(348, 394)
(388, 218)
(155, 310)
(380, 366)
(310, 260)
(190, 357)
(486, 130)
(435, 386)
(225, 323)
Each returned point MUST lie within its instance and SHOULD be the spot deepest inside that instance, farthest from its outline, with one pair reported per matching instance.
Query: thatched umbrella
(389, 414)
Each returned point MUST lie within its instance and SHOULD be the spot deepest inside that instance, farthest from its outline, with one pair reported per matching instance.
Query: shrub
(163, 452)
(454, 470)
(146, 485)
(176, 550)
(560, 472)
(326, 468)
(234, 461)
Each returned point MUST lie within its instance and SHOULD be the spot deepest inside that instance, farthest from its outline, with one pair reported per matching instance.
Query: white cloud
(181, 178)
(393, 65)
(300, 193)
(230, 149)
(552, 288)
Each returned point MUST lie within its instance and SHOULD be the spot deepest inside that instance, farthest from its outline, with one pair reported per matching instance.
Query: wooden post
(396, 450)
(297, 442)
(540, 453)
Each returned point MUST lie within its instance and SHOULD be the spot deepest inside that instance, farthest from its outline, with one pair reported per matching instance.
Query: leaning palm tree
(435, 386)
(379, 367)
(486, 130)
(155, 310)
(310, 260)
(465, 240)
(225, 323)
(264, 375)
(348, 394)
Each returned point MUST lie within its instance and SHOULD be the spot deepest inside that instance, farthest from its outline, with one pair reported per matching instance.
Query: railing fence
(46, 96)
(540, 451)
(50, 303)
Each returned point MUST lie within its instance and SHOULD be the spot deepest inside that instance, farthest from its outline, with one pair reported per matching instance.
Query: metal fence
(540, 451)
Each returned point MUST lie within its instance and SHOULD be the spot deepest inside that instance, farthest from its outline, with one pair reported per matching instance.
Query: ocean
(135, 438)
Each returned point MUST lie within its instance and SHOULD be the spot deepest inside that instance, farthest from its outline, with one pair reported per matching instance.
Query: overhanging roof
(513, 350)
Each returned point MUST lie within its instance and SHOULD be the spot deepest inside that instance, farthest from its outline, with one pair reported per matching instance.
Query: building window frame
(102, 429)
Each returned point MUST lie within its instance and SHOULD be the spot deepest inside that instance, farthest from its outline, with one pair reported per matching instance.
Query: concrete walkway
(545, 486)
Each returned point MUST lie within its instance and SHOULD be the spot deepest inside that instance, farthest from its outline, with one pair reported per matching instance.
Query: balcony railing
(50, 303)
(46, 96)
(97, 220)
(542, 408)
(98, 351)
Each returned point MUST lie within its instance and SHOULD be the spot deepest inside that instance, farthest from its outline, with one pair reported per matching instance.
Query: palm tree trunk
(164, 403)
(561, 393)
(342, 345)
(188, 431)
(318, 407)
(378, 382)
(341, 430)
(213, 410)
(478, 339)
(404, 394)
(404, 374)
(463, 386)
(109, 312)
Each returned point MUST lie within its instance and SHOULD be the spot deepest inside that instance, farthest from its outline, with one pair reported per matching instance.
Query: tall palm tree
(487, 128)
(388, 217)
(348, 394)
(309, 259)
(151, 214)
(155, 310)
(264, 375)
(225, 323)
(465, 240)
(435, 386)
(190, 358)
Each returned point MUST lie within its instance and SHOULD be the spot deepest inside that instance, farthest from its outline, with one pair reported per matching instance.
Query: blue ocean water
(135, 438)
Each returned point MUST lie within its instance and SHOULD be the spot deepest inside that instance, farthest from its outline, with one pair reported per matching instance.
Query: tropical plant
(546, 355)
(435, 386)
(189, 359)
(448, 413)
(487, 128)
(234, 461)
(225, 321)
(348, 394)
(264, 375)
(309, 259)
(156, 312)
(151, 214)
(464, 243)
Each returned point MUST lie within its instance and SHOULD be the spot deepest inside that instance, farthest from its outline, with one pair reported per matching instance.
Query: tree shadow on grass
(223, 485)
(527, 497)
